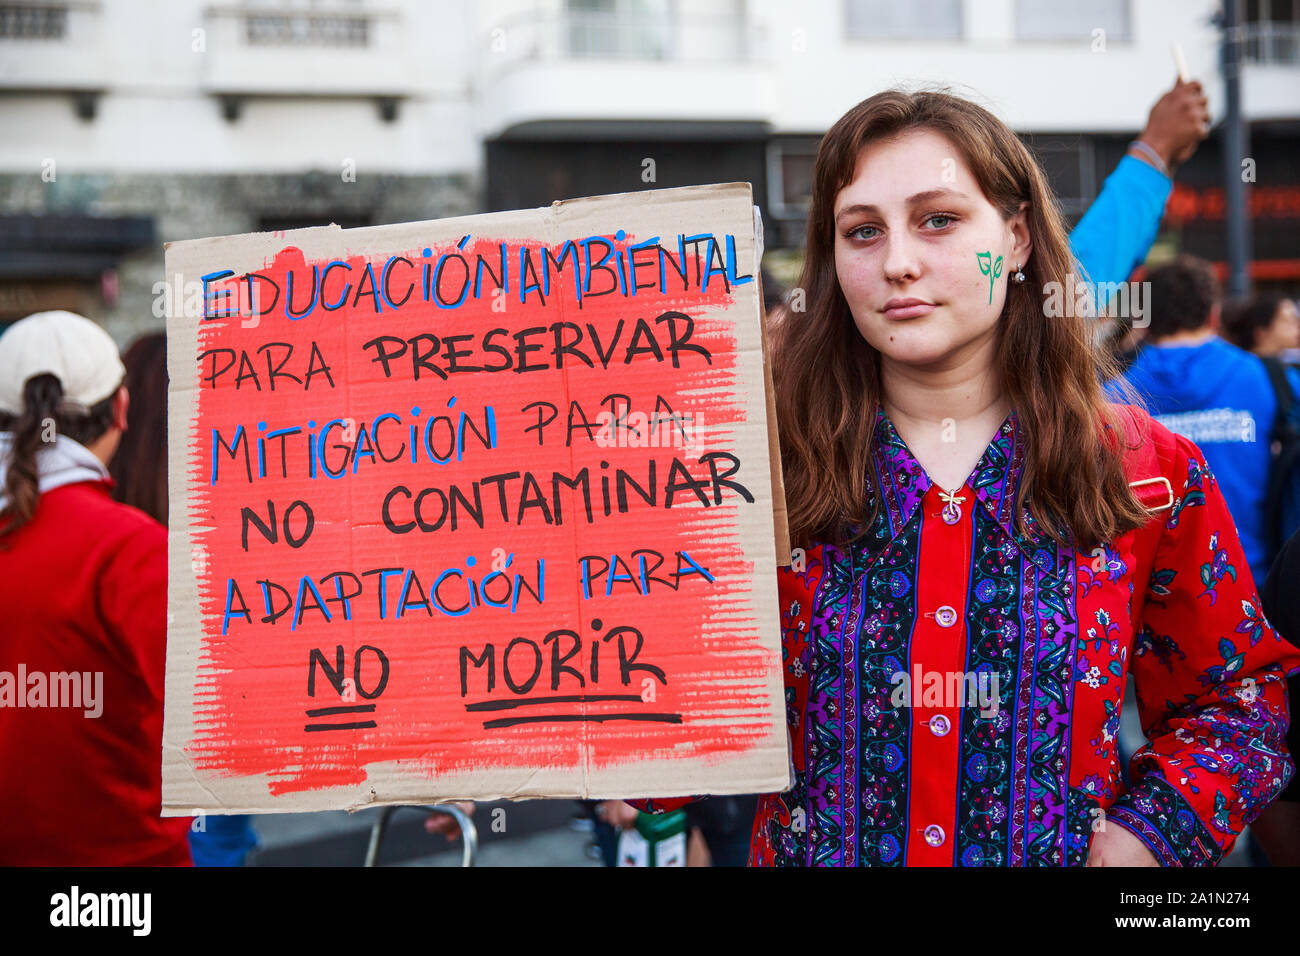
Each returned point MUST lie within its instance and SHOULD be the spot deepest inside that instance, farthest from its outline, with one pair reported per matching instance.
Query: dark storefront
(538, 163)
(64, 261)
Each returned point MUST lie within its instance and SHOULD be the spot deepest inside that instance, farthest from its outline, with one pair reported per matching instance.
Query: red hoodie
(83, 587)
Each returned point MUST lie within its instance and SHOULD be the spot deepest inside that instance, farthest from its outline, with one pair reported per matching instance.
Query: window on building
(632, 29)
(33, 21)
(1272, 31)
(1054, 20)
(914, 20)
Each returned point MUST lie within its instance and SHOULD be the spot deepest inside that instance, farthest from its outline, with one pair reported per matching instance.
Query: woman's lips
(909, 310)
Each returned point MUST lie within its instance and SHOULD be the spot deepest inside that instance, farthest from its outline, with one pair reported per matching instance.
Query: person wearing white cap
(83, 593)
(56, 368)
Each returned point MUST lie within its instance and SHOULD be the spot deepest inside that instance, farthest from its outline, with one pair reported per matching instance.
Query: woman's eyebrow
(915, 200)
(932, 194)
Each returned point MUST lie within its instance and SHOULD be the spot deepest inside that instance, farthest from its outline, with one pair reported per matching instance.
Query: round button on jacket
(945, 616)
(934, 835)
(939, 725)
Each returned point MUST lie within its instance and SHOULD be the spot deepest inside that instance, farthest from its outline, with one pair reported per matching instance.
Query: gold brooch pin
(951, 506)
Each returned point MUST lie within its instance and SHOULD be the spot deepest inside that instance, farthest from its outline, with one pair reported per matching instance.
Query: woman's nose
(901, 258)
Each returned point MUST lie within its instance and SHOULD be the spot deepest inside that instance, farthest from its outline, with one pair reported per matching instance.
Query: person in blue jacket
(1206, 389)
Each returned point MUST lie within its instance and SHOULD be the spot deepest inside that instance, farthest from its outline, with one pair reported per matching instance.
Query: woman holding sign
(986, 550)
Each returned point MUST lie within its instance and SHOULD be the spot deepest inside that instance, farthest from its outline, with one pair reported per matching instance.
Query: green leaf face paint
(991, 268)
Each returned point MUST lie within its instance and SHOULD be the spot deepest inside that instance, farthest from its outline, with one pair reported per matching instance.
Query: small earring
(1019, 276)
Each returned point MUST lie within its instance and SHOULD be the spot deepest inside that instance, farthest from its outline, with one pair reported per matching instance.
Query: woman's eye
(940, 220)
(860, 232)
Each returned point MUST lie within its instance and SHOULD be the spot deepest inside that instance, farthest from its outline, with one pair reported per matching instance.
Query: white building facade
(135, 122)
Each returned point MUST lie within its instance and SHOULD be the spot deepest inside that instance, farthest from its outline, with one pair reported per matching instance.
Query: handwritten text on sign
(476, 503)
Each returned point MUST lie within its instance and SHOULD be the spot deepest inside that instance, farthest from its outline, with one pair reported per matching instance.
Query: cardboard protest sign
(482, 507)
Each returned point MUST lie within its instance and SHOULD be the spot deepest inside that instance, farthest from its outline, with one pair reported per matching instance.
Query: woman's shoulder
(1139, 424)
(1147, 442)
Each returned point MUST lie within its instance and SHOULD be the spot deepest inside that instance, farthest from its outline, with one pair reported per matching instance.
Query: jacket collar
(995, 482)
(58, 463)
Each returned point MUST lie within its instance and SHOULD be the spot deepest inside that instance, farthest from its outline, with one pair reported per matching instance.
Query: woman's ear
(1021, 241)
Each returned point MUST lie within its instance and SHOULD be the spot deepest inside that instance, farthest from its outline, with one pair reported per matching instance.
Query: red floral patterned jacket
(953, 686)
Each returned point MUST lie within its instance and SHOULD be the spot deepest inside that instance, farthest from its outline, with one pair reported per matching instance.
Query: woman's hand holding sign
(445, 823)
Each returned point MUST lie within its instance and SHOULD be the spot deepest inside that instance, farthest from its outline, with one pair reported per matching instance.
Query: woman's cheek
(854, 282)
(954, 285)
(972, 296)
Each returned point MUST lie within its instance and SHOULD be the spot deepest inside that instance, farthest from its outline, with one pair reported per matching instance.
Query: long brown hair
(828, 376)
(42, 404)
(140, 465)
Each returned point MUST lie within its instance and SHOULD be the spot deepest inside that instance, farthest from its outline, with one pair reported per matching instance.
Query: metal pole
(468, 832)
(1236, 147)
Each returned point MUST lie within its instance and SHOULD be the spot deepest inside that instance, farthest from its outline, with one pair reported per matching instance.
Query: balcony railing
(578, 35)
(334, 29)
(260, 51)
(1270, 43)
(48, 47)
(33, 21)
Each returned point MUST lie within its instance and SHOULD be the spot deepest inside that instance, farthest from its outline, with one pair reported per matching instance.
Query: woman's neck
(964, 390)
(946, 415)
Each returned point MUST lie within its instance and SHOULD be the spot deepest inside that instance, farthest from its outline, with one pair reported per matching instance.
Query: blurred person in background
(1205, 388)
(83, 584)
(1267, 326)
(139, 469)
(139, 466)
(1277, 831)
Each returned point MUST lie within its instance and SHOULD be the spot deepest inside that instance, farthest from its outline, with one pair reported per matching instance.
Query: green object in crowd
(657, 839)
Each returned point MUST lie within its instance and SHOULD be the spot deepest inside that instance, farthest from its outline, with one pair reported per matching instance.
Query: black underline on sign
(563, 699)
(361, 725)
(581, 718)
(329, 711)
